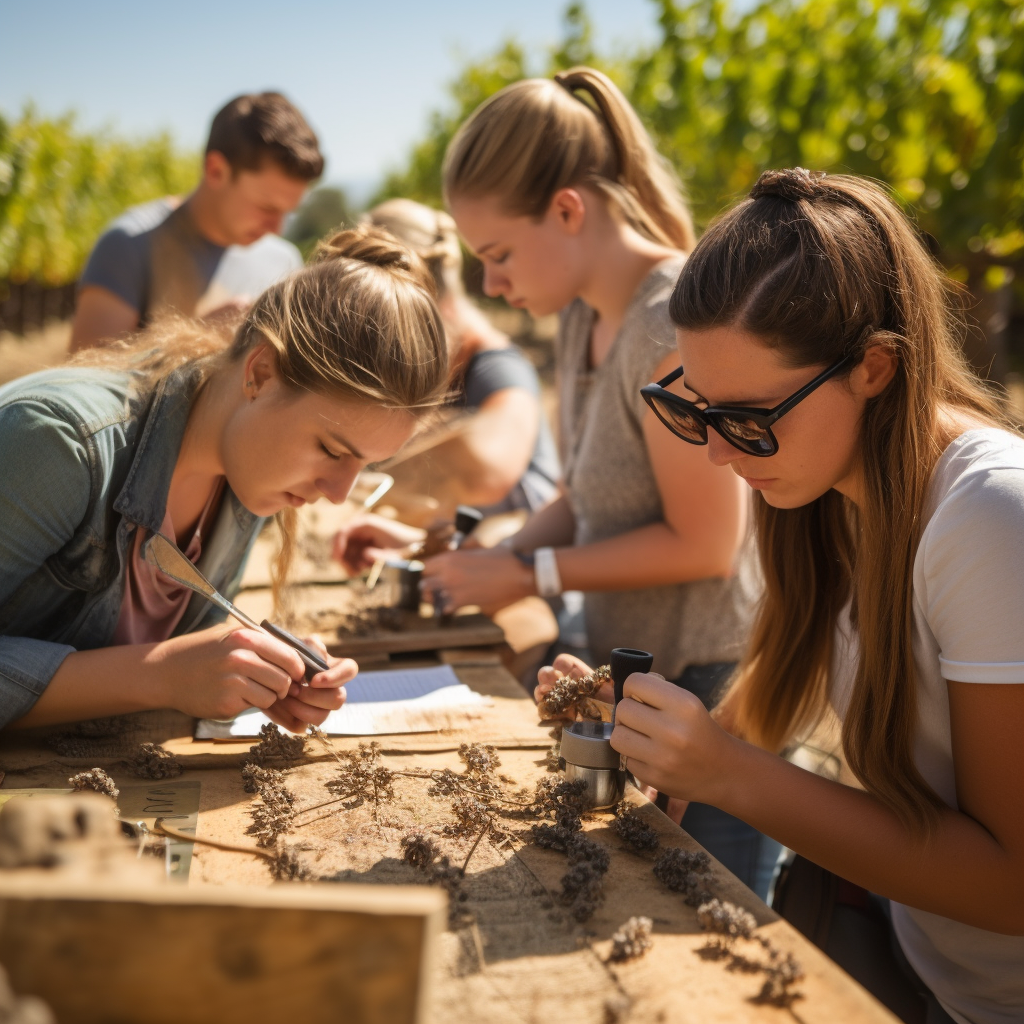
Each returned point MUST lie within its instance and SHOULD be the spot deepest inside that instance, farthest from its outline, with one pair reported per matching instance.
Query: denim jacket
(85, 460)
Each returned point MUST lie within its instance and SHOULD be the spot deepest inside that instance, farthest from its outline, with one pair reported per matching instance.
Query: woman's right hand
(359, 543)
(224, 670)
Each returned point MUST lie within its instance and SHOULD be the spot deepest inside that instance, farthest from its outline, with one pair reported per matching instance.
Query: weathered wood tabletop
(515, 955)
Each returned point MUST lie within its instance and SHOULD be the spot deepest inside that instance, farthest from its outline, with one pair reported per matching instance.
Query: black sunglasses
(749, 430)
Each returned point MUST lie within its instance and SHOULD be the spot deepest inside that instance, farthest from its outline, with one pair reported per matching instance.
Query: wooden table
(522, 958)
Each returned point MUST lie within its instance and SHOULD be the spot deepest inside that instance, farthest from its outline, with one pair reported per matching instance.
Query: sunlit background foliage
(926, 95)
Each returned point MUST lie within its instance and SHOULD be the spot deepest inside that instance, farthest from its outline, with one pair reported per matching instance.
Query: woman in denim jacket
(176, 432)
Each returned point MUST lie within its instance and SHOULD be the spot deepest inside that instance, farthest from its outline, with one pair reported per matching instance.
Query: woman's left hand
(489, 577)
(310, 704)
(670, 741)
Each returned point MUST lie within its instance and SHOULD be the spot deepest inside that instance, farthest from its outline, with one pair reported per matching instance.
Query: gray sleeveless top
(612, 489)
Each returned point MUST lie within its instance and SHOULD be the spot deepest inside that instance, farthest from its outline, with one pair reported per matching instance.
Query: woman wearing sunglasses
(557, 188)
(821, 361)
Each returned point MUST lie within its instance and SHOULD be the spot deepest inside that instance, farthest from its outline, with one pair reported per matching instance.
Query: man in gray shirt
(216, 249)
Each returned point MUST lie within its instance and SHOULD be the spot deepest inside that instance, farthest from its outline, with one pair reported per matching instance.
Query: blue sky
(366, 74)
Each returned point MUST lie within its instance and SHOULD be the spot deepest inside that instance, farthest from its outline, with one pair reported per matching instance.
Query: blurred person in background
(214, 252)
(505, 457)
(558, 189)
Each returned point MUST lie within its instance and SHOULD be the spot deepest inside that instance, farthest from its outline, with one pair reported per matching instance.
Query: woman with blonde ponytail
(558, 189)
(822, 362)
(503, 457)
(181, 432)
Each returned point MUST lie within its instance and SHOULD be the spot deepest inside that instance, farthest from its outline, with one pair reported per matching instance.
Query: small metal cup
(587, 755)
(402, 579)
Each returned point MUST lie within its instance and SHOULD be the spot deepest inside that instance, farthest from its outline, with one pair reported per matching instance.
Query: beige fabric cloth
(611, 487)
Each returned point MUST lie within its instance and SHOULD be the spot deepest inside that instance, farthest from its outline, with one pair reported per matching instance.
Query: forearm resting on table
(650, 556)
(960, 871)
(93, 684)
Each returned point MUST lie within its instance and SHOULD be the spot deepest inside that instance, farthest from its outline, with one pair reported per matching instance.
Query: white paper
(378, 703)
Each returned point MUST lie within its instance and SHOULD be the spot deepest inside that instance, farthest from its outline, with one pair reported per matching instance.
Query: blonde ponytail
(538, 136)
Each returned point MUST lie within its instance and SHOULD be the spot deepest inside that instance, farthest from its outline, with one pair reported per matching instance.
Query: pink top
(153, 603)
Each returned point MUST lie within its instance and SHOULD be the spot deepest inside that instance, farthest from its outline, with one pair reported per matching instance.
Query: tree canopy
(925, 95)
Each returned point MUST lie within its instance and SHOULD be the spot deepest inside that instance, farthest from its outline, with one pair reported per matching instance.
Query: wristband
(545, 572)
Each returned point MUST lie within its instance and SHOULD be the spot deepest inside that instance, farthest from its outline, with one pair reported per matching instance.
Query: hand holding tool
(172, 562)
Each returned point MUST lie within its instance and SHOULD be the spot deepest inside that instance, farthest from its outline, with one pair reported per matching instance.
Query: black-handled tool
(169, 559)
(624, 662)
(313, 662)
(467, 519)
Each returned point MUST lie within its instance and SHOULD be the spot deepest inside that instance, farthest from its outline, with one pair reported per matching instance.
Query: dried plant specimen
(685, 872)
(151, 761)
(273, 811)
(552, 837)
(472, 815)
(97, 780)
(726, 920)
(631, 828)
(274, 745)
(568, 692)
(552, 760)
(582, 890)
(562, 800)
(361, 776)
(419, 850)
(286, 865)
(254, 776)
(481, 761)
(423, 853)
(632, 939)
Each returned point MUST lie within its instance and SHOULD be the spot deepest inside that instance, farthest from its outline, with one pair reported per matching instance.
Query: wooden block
(100, 952)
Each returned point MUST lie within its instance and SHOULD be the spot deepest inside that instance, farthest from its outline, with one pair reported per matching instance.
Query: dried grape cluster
(562, 800)
(727, 923)
(687, 872)
(151, 761)
(254, 776)
(97, 780)
(583, 884)
(726, 920)
(424, 854)
(361, 776)
(632, 939)
(568, 692)
(631, 828)
(272, 814)
(274, 745)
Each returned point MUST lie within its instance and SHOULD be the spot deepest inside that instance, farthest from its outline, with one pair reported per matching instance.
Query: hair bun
(793, 183)
(368, 243)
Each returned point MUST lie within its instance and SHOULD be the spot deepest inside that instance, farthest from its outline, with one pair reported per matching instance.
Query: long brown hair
(538, 136)
(359, 323)
(819, 267)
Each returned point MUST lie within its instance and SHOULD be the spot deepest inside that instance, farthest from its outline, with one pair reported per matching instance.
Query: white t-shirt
(968, 597)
